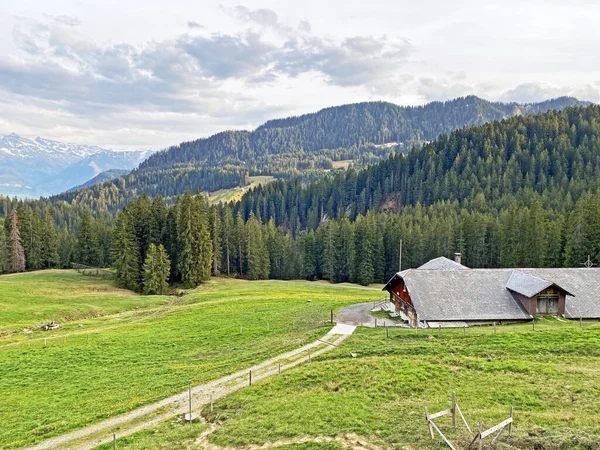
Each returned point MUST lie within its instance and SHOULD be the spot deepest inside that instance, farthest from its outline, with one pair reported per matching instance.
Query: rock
(195, 417)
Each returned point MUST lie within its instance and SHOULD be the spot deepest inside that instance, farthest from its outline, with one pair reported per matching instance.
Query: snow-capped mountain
(41, 167)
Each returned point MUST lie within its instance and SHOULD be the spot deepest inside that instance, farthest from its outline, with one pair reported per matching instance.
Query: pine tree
(156, 271)
(126, 253)
(344, 249)
(3, 251)
(15, 246)
(158, 221)
(87, 249)
(49, 243)
(227, 230)
(185, 236)
(203, 241)
(258, 256)
(215, 233)
(240, 243)
(195, 244)
(30, 231)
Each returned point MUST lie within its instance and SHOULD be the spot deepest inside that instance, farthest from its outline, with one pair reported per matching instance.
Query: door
(547, 304)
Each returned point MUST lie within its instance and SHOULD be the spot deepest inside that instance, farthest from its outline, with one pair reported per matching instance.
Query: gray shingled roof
(442, 263)
(584, 284)
(476, 294)
(442, 290)
(526, 284)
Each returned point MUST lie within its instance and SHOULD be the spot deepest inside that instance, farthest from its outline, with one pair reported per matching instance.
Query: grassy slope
(236, 193)
(551, 377)
(118, 362)
(30, 299)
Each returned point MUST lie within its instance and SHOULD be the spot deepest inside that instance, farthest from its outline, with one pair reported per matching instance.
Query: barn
(447, 292)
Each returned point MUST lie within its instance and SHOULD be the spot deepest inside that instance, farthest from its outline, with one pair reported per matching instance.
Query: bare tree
(17, 254)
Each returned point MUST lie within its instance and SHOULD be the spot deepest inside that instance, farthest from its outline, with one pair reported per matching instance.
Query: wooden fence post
(494, 327)
(510, 424)
(190, 399)
(428, 422)
(250, 378)
(332, 316)
(480, 445)
(376, 322)
(279, 368)
(387, 332)
(453, 409)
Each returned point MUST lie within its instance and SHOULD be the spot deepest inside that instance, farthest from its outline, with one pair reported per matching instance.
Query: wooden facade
(400, 297)
(549, 302)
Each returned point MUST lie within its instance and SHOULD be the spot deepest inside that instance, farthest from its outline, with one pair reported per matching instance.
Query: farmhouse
(446, 291)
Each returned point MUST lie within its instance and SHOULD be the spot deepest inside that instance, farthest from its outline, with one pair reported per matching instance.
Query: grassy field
(236, 193)
(29, 299)
(551, 376)
(53, 382)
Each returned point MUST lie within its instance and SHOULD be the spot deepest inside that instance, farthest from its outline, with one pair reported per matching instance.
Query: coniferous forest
(515, 193)
(304, 148)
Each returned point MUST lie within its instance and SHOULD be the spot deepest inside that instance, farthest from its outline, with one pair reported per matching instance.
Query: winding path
(150, 415)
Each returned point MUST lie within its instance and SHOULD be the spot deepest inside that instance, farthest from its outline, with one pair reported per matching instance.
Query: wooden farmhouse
(448, 293)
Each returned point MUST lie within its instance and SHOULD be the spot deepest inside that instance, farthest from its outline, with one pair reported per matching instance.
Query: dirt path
(360, 315)
(350, 441)
(148, 416)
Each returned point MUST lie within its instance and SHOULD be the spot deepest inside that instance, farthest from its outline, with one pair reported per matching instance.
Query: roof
(442, 290)
(583, 284)
(442, 263)
(477, 294)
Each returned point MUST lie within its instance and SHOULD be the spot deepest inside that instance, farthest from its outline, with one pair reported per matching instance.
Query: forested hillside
(521, 192)
(307, 146)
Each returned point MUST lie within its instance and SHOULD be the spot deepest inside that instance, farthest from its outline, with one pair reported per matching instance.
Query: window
(547, 304)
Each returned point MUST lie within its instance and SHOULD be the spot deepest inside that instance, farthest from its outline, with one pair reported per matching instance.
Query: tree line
(521, 192)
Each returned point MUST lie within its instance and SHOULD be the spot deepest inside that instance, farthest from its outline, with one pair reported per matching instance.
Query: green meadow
(550, 376)
(116, 351)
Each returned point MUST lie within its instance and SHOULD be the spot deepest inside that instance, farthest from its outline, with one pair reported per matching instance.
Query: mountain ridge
(42, 167)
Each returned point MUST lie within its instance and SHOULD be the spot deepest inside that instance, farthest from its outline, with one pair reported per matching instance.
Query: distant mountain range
(308, 146)
(42, 167)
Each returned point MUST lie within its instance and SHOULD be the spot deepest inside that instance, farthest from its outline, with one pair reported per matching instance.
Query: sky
(132, 74)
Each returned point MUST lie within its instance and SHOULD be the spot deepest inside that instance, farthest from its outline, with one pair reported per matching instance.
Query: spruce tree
(258, 256)
(156, 271)
(15, 245)
(215, 233)
(227, 230)
(158, 221)
(3, 251)
(87, 250)
(195, 244)
(49, 243)
(126, 253)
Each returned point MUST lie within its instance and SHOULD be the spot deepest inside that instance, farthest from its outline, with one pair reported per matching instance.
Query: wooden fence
(478, 437)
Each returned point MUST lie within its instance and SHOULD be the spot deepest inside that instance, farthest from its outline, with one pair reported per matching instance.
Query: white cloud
(150, 77)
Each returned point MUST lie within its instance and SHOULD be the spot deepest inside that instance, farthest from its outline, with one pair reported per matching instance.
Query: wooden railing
(407, 309)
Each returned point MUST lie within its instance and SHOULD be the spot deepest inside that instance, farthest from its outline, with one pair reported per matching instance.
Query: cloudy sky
(147, 74)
